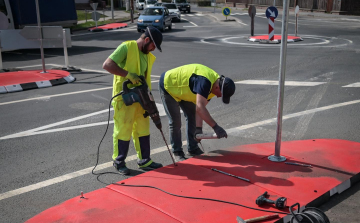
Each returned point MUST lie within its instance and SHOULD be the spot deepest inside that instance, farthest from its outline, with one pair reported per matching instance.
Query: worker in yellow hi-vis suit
(128, 61)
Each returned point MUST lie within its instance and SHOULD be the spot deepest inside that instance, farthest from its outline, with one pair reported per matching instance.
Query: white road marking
(353, 85)
(287, 83)
(232, 131)
(190, 22)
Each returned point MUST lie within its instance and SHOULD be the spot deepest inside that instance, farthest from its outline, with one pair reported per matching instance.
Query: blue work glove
(198, 131)
(220, 132)
(134, 78)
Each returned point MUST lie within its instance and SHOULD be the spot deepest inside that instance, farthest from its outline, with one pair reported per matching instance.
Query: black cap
(227, 87)
(155, 35)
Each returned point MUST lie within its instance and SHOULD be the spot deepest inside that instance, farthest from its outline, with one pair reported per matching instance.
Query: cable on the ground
(308, 215)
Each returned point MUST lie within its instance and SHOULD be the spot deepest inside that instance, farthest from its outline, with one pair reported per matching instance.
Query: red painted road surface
(23, 77)
(333, 162)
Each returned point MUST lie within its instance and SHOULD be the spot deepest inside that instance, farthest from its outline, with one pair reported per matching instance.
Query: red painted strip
(23, 77)
(110, 26)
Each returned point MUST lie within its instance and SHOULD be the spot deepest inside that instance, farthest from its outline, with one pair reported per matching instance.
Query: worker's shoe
(122, 169)
(195, 152)
(152, 166)
(179, 156)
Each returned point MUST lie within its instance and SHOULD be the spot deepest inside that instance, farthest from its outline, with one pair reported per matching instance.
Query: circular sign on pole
(272, 12)
(252, 11)
(226, 11)
(297, 9)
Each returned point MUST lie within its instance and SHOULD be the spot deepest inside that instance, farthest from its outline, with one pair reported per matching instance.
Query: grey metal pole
(65, 50)
(284, 35)
(112, 9)
(40, 36)
(296, 24)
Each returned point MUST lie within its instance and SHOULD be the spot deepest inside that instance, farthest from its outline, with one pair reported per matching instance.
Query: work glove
(134, 78)
(220, 132)
(198, 131)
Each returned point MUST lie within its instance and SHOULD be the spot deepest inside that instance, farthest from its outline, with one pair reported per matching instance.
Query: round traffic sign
(252, 11)
(226, 11)
(297, 9)
(271, 12)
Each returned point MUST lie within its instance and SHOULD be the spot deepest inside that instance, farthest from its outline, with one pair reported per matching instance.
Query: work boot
(179, 156)
(152, 166)
(195, 152)
(122, 169)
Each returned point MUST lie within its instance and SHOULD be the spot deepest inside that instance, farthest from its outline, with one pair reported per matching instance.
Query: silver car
(174, 11)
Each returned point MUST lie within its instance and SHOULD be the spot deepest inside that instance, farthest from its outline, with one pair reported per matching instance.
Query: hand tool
(298, 164)
(265, 217)
(206, 136)
(279, 203)
(142, 95)
(229, 174)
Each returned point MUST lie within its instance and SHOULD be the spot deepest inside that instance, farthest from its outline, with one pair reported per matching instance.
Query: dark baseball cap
(227, 88)
(155, 35)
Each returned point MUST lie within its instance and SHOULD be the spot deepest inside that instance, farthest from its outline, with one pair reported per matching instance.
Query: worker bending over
(190, 87)
(128, 61)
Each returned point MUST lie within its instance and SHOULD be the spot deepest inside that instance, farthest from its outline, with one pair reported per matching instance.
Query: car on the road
(174, 11)
(158, 4)
(150, 3)
(156, 16)
(139, 4)
(182, 5)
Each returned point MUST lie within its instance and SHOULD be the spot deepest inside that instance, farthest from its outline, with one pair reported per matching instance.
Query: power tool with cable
(142, 95)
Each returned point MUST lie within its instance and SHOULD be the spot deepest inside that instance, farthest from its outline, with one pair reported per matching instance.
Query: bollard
(65, 50)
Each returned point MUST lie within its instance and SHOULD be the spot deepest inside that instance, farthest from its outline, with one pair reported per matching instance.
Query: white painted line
(55, 95)
(190, 22)
(231, 131)
(353, 85)
(69, 176)
(190, 15)
(41, 130)
(287, 83)
(199, 14)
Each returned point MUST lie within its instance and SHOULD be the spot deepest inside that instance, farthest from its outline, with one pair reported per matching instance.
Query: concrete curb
(36, 85)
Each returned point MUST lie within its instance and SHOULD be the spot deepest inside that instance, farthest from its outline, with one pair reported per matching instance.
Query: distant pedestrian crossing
(199, 14)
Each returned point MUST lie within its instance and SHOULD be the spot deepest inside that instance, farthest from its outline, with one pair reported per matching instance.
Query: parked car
(150, 3)
(156, 16)
(158, 4)
(182, 5)
(140, 4)
(174, 11)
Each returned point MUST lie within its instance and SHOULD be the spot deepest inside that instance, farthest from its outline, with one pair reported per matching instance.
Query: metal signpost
(284, 35)
(296, 19)
(112, 9)
(40, 36)
(226, 12)
(95, 15)
(252, 13)
(271, 14)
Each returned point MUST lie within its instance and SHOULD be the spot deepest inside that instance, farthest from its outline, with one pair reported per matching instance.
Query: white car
(140, 4)
(174, 11)
(150, 3)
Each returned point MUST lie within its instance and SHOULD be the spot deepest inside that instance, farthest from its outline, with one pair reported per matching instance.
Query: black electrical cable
(98, 149)
(308, 215)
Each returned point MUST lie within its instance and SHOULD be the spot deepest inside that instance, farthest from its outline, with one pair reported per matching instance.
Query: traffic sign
(95, 16)
(271, 12)
(226, 11)
(297, 9)
(94, 5)
(252, 11)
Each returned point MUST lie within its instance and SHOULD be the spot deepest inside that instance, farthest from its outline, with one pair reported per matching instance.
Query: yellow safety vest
(132, 65)
(176, 81)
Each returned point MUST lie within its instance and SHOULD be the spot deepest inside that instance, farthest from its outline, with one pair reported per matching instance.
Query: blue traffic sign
(226, 11)
(271, 12)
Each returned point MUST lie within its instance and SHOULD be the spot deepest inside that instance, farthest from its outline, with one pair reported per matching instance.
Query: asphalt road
(49, 137)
